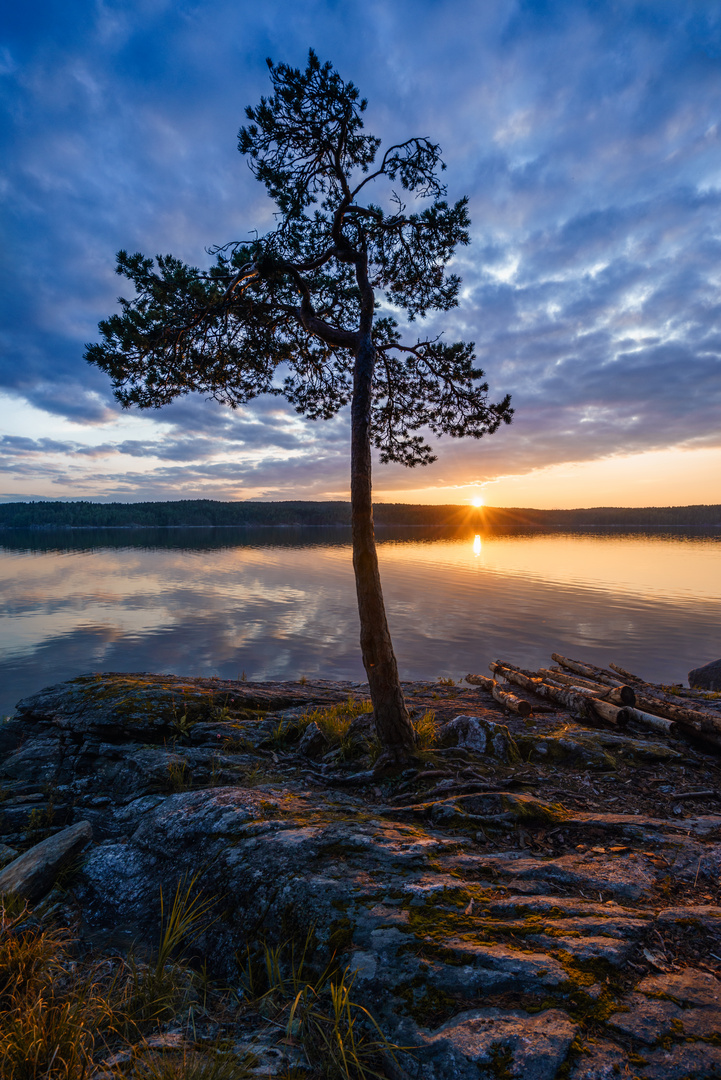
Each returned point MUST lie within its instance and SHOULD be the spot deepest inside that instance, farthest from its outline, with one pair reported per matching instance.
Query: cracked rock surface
(535, 899)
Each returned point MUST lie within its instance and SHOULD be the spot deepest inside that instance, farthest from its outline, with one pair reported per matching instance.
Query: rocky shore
(537, 898)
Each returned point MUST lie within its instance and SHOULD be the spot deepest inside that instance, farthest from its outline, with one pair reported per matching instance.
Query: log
(588, 671)
(668, 718)
(628, 675)
(654, 723)
(613, 714)
(481, 680)
(651, 700)
(701, 723)
(620, 695)
(582, 702)
(576, 680)
(617, 695)
(509, 701)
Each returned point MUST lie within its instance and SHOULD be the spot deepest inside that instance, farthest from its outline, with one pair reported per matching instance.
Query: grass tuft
(65, 1015)
(60, 1016)
(426, 728)
(335, 722)
(339, 1037)
(178, 777)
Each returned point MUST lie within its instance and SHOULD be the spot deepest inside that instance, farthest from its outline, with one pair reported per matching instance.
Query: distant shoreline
(343, 525)
(209, 514)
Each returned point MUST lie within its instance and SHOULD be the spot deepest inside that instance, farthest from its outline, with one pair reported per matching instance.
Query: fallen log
(649, 714)
(509, 701)
(629, 675)
(559, 675)
(654, 723)
(617, 695)
(588, 671)
(694, 719)
(581, 702)
(651, 700)
(481, 680)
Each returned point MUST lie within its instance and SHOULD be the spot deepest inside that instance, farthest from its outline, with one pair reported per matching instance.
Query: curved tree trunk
(392, 721)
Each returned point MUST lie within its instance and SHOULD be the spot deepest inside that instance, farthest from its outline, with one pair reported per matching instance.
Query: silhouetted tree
(304, 296)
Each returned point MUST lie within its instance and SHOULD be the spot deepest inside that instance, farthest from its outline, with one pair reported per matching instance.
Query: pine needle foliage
(294, 296)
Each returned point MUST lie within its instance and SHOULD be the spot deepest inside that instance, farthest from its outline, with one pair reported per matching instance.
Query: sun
(478, 501)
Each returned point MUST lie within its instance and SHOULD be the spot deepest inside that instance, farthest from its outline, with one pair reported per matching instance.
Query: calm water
(280, 603)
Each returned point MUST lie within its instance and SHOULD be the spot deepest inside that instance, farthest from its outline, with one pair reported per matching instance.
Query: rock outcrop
(536, 899)
(32, 875)
(707, 677)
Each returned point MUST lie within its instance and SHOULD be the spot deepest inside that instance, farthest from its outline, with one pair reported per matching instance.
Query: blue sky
(586, 136)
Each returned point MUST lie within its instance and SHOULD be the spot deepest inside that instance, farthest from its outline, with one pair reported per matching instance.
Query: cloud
(585, 133)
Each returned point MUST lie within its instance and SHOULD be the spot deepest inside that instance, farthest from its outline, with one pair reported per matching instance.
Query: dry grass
(68, 1017)
(189, 1065)
(61, 1015)
(54, 1012)
(335, 722)
(339, 1037)
(426, 729)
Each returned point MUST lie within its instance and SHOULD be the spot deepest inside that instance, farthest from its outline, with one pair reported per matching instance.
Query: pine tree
(304, 295)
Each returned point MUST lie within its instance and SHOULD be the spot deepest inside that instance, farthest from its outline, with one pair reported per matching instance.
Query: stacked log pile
(612, 695)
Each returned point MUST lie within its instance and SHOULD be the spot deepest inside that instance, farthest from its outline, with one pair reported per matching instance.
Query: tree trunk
(392, 721)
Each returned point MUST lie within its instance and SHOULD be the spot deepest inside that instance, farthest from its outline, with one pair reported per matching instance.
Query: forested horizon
(208, 513)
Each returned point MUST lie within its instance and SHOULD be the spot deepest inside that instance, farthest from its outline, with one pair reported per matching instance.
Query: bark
(693, 719)
(617, 695)
(481, 680)
(589, 671)
(511, 701)
(584, 703)
(392, 721)
(654, 723)
(651, 700)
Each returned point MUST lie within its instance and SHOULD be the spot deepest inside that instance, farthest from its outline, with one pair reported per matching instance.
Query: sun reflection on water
(477, 546)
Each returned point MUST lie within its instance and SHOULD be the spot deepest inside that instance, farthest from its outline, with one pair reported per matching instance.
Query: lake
(280, 603)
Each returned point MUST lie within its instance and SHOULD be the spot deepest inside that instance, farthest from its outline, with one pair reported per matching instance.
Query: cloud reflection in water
(281, 603)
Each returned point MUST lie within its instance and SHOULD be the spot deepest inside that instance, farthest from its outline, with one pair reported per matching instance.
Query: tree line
(209, 513)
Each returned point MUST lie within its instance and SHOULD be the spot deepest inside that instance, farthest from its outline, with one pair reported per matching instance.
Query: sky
(585, 134)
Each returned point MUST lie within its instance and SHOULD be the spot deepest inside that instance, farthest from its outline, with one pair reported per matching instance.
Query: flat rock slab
(706, 915)
(33, 873)
(153, 704)
(625, 876)
(692, 1061)
(686, 1003)
(488, 1043)
(601, 1060)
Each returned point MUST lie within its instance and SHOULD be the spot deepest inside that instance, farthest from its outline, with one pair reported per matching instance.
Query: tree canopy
(284, 313)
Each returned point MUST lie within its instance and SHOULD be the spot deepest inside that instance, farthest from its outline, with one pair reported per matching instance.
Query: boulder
(481, 736)
(34, 872)
(313, 742)
(707, 677)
